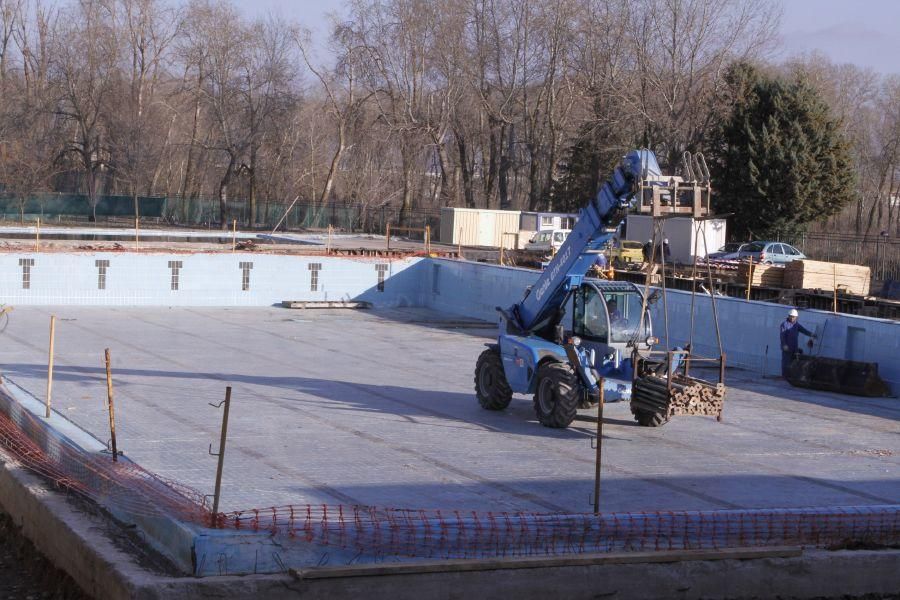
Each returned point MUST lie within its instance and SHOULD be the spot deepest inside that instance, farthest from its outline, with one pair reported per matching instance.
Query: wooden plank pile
(689, 396)
(818, 275)
(763, 275)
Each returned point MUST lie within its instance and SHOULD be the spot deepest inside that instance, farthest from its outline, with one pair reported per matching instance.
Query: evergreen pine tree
(781, 161)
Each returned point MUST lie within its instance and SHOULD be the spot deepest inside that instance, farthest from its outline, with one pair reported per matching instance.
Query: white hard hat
(666, 241)
(650, 241)
(793, 313)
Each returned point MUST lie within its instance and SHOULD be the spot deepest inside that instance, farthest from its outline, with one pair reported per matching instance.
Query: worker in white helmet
(790, 335)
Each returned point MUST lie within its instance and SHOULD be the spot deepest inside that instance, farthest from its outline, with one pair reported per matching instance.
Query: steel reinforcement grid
(372, 534)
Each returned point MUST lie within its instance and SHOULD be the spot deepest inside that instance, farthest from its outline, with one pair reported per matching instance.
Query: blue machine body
(523, 338)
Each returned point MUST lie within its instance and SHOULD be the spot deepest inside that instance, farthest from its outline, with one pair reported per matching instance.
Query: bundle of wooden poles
(688, 396)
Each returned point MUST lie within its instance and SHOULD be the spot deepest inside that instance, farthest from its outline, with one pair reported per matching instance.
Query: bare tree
(682, 48)
(137, 115)
(344, 98)
(84, 75)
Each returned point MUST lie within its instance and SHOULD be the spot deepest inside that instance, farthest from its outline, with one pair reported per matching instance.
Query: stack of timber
(689, 396)
(817, 275)
(763, 275)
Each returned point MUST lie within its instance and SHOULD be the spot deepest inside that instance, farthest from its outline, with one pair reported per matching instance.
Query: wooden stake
(233, 235)
(137, 233)
(599, 444)
(328, 243)
(428, 239)
(37, 236)
(459, 244)
(50, 364)
(221, 455)
(111, 407)
(387, 235)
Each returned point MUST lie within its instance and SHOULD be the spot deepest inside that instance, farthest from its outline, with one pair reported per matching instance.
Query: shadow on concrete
(627, 492)
(324, 396)
(749, 381)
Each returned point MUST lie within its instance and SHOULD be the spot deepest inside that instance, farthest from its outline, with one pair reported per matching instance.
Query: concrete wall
(749, 330)
(202, 279)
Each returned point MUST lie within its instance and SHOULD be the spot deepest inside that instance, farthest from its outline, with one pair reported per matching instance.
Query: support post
(111, 407)
(834, 285)
(328, 243)
(722, 380)
(37, 236)
(749, 278)
(599, 452)
(50, 364)
(137, 233)
(669, 375)
(233, 235)
(427, 239)
(387, 235)
(459, 244)
(221, 455)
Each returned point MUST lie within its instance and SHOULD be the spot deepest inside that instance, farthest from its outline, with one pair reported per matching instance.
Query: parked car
(729, 251)
(771, 253)
(546, 241)
(626, 251)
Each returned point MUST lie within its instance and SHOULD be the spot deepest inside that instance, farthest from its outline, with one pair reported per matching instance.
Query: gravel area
(25, 573)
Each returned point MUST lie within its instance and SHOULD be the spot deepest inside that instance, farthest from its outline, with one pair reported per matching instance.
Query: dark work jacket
(790, 334)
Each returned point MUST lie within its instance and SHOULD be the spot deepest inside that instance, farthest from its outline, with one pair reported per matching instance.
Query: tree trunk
(185, 203)
(332, 169)
(251, 218)
(223, 192)
(503, 170)
(406, 202)
(468, 191)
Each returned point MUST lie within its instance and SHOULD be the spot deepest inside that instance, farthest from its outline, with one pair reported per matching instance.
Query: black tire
(557, 395)
(491, 387)
(646, 418)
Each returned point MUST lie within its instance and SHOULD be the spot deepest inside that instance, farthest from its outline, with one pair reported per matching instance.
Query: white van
(545, 241)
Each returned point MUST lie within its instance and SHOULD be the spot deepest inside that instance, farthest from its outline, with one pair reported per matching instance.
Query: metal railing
(879, 253)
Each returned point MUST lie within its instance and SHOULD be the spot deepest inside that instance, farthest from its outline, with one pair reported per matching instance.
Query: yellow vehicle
(623, 252)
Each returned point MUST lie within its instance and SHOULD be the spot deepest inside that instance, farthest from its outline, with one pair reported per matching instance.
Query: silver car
(771, 253)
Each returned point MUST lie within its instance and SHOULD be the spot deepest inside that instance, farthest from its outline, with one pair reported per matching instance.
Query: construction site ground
(377, 408)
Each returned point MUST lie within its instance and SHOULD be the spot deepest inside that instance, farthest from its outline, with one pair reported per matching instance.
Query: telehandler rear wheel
(557, 395)
(491, 387)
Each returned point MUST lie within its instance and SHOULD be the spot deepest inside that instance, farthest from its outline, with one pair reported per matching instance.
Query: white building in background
(543, 221)
(496, 228)
(682, 233)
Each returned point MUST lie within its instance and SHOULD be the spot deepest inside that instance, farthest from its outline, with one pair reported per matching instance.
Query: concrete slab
(377, 408)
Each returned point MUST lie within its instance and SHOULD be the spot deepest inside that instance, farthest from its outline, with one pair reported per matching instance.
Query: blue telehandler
(563, 364)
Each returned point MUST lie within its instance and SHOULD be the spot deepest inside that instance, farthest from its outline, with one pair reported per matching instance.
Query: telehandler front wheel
(557, 395)
(491, 387)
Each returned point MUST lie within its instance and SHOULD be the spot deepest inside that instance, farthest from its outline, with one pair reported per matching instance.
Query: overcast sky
(864, 32)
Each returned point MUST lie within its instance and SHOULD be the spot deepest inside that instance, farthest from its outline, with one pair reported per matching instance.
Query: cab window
(590, 315)
(624, 315)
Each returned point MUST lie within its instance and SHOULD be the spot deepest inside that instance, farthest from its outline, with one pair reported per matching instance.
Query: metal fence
(205, 212)
(879, 253)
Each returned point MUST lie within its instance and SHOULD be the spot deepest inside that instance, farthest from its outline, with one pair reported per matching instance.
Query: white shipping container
(681, 233)
(481, 227)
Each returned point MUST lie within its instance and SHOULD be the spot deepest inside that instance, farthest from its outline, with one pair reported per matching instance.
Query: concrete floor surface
(378, 408)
